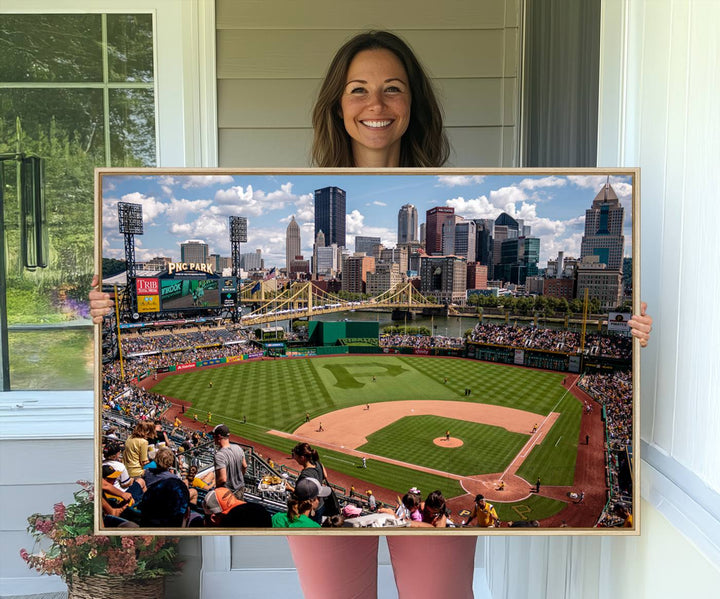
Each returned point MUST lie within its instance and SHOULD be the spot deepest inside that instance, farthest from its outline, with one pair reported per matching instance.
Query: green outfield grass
(553, 460)
(485, 448)
(276, 394)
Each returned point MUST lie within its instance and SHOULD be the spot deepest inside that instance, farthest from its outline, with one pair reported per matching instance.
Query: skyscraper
(465, 242)
(604, 229)
(407, 224)
(435, 218)
(366, 244)
(330, 214)
(195, 251)
(292, 243)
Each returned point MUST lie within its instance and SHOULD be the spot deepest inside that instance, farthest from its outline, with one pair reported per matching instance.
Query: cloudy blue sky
(181, 207)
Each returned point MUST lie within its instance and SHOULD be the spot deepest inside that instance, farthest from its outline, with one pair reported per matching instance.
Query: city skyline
(179, 207)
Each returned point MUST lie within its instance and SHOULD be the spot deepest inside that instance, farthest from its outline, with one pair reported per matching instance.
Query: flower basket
(98, 566)
(113, 587)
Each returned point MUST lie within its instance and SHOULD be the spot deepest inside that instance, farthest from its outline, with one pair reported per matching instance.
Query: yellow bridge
(306, 300)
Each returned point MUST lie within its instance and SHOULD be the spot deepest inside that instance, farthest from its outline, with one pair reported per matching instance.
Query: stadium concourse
(597, 489)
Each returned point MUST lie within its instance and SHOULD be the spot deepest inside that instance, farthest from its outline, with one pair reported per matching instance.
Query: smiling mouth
(376, 124)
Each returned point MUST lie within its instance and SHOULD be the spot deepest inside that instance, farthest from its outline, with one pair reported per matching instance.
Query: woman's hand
(100, 303)
(641, 325)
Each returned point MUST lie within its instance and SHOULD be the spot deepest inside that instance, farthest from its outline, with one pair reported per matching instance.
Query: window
(78, 90)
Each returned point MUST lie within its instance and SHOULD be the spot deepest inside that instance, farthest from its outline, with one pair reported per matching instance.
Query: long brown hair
(144, 430)
(305, 450)
(423, 144)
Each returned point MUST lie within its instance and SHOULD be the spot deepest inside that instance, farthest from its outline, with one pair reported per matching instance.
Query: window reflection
(62, 118)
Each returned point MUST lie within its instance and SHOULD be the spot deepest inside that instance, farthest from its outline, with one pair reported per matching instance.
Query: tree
(66, 127)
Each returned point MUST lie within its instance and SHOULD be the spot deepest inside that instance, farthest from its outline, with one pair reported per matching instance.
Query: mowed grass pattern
(554, 459)
(276, 394)
(485, 448)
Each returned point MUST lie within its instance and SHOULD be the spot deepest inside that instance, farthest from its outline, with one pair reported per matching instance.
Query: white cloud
(379, 203)
(542, 182)
(178, 211)
(245, 201)
(193, 181)
(354, 223)
(505, 198)
(151, 208)
(459, 180)
(474, 208)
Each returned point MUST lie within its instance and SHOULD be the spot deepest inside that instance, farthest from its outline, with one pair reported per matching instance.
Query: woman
(376, 108)
(135, 454)
(309, 461)
(434, 512)
(302, 503)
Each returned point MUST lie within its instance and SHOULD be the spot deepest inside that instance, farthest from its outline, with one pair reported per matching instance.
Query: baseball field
(453, 424)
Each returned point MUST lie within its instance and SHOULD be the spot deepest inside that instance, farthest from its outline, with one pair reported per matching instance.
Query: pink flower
(121, 561)
(24, 555)
(43, 526)
(128, 543)
(59, 512)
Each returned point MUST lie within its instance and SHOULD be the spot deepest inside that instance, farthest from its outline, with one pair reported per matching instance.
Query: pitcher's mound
(444, 442)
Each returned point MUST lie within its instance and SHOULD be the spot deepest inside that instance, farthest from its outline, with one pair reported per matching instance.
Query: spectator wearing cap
(123, 482)
(230, 464)
(308, 459)
(116, 504)
(372, 502)
(218, 504)
(484, 512)
(302, 503)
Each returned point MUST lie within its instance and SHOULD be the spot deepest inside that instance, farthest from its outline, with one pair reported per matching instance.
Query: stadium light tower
(238, 235)
(130, 221)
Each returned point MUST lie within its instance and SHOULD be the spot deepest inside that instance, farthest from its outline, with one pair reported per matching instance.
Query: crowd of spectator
(558, 340)
(134, 402)
(421, 341)
(191, 337)
(614, 391)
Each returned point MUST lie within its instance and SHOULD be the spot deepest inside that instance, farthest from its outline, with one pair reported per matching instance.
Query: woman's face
(375, 107)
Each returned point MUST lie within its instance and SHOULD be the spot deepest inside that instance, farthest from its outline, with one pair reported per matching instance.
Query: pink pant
(335, 567)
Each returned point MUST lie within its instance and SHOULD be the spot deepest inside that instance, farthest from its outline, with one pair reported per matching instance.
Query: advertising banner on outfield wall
(519, 357)
(211, 362)
(231, 359)
(190, 366)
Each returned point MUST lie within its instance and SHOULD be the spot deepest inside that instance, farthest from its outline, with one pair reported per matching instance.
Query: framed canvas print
(402, 351)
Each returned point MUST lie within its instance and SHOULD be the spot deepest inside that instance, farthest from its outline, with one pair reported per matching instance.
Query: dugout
(322, 333)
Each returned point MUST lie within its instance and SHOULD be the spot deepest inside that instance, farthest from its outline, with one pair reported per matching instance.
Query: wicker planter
(116, 587)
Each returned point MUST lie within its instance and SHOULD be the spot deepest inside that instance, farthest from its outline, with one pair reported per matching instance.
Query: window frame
(186, 135)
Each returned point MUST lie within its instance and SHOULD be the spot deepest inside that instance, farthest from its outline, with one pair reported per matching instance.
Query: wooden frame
(424, 401)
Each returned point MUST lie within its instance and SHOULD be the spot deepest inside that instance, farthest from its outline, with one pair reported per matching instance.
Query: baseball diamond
(518, 425)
